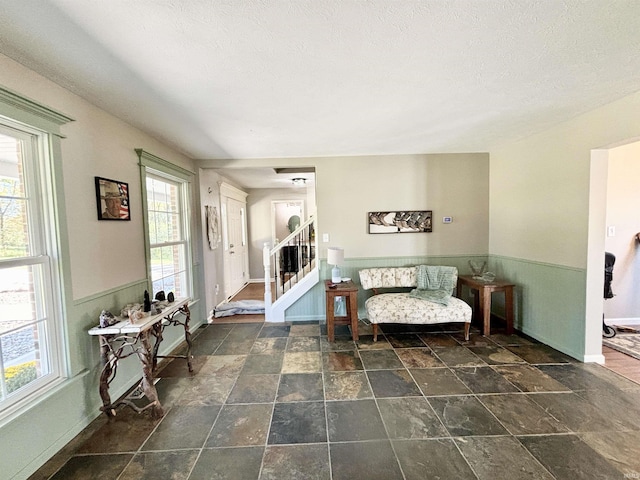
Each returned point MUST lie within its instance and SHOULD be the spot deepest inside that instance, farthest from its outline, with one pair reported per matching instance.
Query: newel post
(266, 261)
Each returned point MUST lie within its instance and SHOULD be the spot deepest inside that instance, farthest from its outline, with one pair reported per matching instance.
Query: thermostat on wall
(447, 219)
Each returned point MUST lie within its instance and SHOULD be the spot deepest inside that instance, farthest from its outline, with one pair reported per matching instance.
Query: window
(166, 197)
(168, 235)
(30, 348)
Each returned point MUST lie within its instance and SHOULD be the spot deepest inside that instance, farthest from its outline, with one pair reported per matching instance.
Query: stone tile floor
(281, 402)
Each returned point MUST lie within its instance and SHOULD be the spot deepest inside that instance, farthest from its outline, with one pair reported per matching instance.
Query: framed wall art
(406, 221)
(112, 199)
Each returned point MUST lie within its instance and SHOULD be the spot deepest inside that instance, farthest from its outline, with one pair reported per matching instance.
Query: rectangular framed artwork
(406, 221)
(112, 199)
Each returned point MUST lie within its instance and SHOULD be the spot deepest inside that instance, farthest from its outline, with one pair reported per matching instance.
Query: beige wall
(104, 255)
(347, 188)
(540, 185)
(212, 261)
(104, 268)
(623, 214)
(548, 211)
(455, 185)
(259, 204)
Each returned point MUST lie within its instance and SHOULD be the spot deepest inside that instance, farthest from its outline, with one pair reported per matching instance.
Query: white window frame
(155, 167)
(38, 128)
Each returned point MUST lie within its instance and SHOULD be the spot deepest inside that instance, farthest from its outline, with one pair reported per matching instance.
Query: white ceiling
(305, 78)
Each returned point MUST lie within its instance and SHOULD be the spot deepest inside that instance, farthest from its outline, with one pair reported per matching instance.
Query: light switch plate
(325, 237)
(447, 219)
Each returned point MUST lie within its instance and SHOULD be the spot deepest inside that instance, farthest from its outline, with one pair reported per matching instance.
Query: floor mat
(240, 307)
(628, 343)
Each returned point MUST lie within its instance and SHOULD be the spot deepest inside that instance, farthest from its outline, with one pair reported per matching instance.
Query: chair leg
(375, 332)
(467, 327)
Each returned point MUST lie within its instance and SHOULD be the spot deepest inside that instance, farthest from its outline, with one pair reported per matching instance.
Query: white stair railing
(290, 266)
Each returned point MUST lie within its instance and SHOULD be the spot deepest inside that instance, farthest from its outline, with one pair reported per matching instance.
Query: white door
(236, 254)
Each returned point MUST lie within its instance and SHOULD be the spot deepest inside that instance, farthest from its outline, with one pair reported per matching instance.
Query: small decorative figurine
(147, 302)
(170, 297)
(107, 319)
(128, 308)
(160, 296)
(136, 315)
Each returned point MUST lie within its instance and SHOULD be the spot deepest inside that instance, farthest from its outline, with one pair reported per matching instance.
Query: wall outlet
(611, 231)
(325, 237)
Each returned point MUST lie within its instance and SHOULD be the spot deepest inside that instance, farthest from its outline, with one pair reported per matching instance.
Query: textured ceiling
(302, 78)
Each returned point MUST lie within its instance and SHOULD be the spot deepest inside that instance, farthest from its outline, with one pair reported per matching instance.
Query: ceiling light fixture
(299, 182)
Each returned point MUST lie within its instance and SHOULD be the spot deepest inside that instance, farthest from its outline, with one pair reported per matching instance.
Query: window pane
(153, 234)
(21, 357)
(19, 302)
(173, 227)
(162, 227)
(23, 323)
(11, 166)
(14, 232)
(168, 270)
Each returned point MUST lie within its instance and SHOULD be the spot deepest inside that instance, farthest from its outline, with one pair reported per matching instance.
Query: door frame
(228, 191)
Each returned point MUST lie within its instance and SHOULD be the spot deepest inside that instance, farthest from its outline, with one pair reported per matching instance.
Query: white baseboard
(622, 321)
(593, 359)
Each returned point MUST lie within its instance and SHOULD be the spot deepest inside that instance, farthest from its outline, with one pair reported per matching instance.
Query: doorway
(610, 228)
(234, 239)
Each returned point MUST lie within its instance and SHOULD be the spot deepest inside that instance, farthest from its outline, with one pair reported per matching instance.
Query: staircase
(292, 268)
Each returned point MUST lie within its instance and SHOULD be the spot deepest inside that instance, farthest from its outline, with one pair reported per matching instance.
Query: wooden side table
(350, 291)
(482, 300)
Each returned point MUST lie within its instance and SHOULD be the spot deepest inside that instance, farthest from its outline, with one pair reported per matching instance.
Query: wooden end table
(482, 300)
(350, 291)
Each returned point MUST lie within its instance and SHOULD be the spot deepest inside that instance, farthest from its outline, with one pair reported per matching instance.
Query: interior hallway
(278, 401)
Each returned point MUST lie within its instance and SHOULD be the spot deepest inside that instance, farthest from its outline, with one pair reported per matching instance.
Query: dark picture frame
(112, 199)
(401, 221)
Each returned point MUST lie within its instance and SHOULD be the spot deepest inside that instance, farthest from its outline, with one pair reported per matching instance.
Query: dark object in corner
(160, 296)
(609, 262)
(147, 302)
(170, 297)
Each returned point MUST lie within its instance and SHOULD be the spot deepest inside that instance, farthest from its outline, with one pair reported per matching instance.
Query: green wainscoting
(57, 417)
(312, 305)
(549, 301)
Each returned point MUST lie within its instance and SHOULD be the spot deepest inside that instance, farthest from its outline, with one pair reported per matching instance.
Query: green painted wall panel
(57, 417)
(312, 305)
(549, 301)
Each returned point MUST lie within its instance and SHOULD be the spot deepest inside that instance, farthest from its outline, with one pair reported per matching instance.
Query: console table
(482, 300)
(342, 289)
(127, 338)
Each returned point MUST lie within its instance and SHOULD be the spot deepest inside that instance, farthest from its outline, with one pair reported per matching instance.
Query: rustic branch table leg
(187, 335)
(157, 333)
(145, 353)
(108, 359)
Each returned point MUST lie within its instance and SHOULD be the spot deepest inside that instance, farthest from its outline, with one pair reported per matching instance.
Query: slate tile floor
(281, 402)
